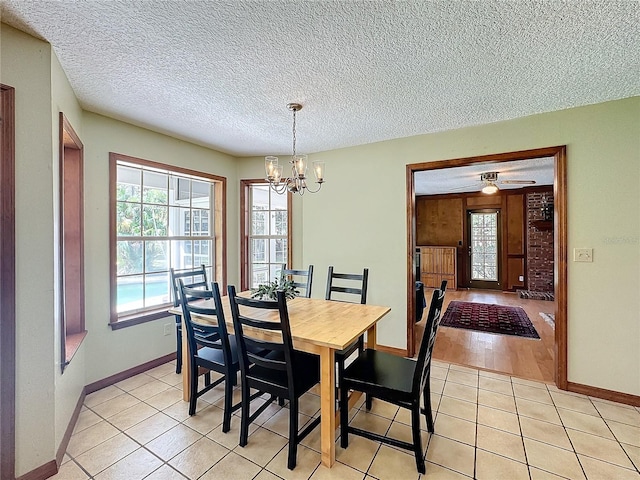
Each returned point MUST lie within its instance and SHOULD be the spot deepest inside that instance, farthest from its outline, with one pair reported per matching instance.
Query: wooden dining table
(321, 327)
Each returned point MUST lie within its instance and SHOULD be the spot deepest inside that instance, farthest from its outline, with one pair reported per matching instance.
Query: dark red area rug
(486, 317)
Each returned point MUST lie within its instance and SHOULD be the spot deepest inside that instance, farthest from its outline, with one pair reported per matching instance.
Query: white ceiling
(467, 178)
(221, 73)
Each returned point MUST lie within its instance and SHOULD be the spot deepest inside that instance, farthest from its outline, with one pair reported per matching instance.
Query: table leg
(371, 337)
(186, 365)
(328, 406)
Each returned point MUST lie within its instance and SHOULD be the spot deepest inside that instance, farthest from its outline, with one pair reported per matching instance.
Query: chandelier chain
(294, 132)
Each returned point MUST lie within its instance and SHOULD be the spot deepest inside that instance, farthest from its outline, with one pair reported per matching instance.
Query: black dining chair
(397, 380)
(283, 372)
(300, 278)
(348, 284)
(216, 351)
(196, 278)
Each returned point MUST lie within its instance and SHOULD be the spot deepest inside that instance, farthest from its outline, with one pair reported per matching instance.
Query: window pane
(259, 274)
(178, 219)
(182, 191)
(156, 289)
(260, 197)
(128, 219)
(259, 223)
(259, 250)
(274, 271)
(278, 250)
(156, 256)
(129, 258)
(278, 201)
(200, 223)
(128, 186)
(200, 192)
(279, 222)
(154, 221)
(130, 293)
(202, 252)
(181, 257)
(155, 187)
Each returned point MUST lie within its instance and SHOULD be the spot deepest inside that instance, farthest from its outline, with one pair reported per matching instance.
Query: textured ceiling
(221, 73)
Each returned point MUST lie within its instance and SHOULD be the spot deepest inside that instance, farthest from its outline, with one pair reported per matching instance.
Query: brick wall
(539, 246)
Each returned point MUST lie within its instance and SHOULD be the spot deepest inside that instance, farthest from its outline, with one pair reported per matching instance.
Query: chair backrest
(191, 308)
(423, 367)
(196, 278)
(357, 284)
(248, 340)
(304, 282)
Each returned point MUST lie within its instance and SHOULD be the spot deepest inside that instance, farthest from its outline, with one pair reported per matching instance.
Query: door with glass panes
(484, 248)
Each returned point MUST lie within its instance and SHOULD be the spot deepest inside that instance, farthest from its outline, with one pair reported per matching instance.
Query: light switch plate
(583, 254)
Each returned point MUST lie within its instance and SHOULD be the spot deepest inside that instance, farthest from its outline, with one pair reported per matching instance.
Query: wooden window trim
(245, 219)
(116, 321)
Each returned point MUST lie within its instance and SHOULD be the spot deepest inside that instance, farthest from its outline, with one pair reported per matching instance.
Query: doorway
(559, 240)
(483, 233)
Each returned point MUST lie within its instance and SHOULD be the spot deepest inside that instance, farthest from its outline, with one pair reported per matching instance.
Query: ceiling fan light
(490, 188)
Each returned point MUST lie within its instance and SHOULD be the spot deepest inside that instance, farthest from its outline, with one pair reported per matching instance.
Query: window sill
(138, 318)
(71, 345)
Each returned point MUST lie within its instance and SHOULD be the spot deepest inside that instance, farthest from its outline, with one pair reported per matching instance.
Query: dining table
(320, 327)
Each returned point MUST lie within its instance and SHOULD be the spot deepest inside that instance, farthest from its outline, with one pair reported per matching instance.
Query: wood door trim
(7, 280)
(560, 239)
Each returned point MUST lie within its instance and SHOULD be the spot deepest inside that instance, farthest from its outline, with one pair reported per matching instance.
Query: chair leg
(417, 439)
(178, 349)
(228, 396)
(426, 395)
(207, 378)
(344, 416)
(293, 433)
(193, 394)
(368, 400)
(244, 419)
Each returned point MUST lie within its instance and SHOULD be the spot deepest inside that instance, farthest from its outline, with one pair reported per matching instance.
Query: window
(265, 233)
(162, 217)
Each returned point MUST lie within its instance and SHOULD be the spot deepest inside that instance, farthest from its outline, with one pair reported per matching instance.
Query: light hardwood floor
(521, 357)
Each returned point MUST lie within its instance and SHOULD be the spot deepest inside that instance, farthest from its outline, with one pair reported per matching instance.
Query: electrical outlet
(583, 254)
(521, 278)
(168, 328)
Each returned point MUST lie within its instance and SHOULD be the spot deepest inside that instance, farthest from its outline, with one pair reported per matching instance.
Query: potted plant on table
(268, 291)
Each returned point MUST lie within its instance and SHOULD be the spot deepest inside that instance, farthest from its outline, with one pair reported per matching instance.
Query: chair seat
(306, 362)
(388, 375)
(215, 356)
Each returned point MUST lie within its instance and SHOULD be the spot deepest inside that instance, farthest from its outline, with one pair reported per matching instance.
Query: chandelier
(297, 181)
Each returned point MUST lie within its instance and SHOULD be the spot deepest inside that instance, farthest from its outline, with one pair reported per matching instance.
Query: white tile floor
(488, 426)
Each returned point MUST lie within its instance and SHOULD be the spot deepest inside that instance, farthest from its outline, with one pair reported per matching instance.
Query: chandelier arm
(279, 189)
(316, 190)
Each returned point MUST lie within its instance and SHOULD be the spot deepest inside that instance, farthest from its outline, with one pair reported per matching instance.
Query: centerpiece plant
(268, 291)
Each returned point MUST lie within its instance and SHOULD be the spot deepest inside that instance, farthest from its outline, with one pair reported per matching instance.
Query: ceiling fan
(490, 182)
